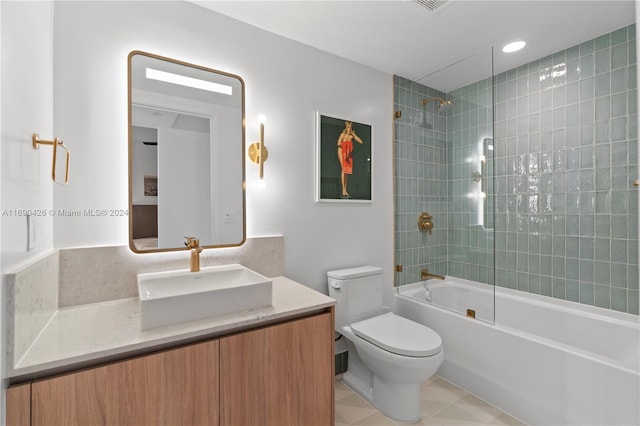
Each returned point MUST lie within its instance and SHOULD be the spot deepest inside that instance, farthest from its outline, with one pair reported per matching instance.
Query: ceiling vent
(433, 5)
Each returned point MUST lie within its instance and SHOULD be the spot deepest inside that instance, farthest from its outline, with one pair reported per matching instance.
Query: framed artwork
(343, 160)
(150, 186)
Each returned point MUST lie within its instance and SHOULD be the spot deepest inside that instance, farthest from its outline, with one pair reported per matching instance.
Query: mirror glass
(186, 162)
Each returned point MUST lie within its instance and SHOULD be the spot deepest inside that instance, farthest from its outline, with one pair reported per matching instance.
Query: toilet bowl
(389, 356)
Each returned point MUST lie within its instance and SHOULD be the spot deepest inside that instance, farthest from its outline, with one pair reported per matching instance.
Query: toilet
(389, 356)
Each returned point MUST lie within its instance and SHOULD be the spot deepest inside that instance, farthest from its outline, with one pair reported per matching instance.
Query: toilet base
(398, 401)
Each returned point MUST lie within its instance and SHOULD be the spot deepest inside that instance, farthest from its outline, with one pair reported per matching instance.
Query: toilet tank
(358, 292)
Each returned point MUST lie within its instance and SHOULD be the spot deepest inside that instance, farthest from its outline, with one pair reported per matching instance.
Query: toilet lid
(399, 335)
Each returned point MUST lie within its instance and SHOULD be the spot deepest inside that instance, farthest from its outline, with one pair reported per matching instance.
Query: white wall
(285, 80)
(638, 97)
(27, 108)
(26, 85)
(3, 298)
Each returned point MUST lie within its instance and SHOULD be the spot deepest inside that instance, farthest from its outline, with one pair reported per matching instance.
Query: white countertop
(88, 334)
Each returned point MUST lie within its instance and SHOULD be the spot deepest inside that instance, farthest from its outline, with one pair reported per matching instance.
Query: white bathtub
(545, 361)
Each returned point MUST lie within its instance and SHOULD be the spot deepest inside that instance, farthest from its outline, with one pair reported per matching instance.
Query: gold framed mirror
(186, 155)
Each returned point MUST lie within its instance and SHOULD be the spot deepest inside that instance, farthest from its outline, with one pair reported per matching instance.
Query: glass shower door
(444, 171)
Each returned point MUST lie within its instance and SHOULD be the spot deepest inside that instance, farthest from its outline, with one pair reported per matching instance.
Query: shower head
(443, 105)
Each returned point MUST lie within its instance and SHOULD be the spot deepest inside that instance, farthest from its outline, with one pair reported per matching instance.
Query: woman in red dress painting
(345, 150)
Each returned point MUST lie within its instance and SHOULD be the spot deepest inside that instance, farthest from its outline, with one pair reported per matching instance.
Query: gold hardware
(471, 313)
(398, 268)
(436, 98)
(442, 103)
(36, 141)
(194, 244)
(636, 182)
(258, 153)
(398, 114)
(424, 222)
(425, 275)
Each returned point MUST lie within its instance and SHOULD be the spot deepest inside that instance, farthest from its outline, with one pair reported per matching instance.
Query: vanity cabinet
(280, 375)
(175, 387)
(275, 375)
(19, 405)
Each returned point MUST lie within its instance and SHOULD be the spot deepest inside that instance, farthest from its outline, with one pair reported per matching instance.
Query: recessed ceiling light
(514, 46)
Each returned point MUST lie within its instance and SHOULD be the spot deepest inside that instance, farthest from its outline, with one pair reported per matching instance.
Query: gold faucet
(425, 275)
(194, 244)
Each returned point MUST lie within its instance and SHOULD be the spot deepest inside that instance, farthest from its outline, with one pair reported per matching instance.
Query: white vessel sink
(173, 297)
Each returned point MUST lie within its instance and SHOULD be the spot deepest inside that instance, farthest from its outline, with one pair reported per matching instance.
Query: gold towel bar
(57, 141)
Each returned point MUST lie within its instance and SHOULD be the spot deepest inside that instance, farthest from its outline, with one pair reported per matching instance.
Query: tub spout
(425, 275)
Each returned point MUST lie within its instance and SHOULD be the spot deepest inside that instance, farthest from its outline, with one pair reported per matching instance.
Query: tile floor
(442, 404)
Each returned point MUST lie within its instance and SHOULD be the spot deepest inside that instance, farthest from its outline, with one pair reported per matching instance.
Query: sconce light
(258, 153)
(57, 142)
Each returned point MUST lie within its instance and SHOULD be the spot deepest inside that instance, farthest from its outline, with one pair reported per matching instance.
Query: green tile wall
(420, 181)
(566, 214)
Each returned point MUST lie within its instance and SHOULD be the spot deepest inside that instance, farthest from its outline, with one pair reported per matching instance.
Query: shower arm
(437, 98)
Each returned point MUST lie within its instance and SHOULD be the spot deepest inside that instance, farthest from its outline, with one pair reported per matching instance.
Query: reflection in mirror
(186, 163)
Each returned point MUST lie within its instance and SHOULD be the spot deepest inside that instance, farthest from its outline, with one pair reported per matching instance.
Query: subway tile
(587, 47)
(619, 56)
(559, 288)
(602, 42)
(587, 293)
(602, 296)
(602, 273)
(632, 302)
(572, 246)
(619, 226)
(587, 110)
(573, 290)
(602, 225)
(572, 114)
(632, 277)
(603, 61)
(587, 65)
(618, 299)
(602, 132)
(619, 105)
(572, 70)
(619, 275)
(619, 36)
(546, 286)
(620, 80)
(603, 108)
(602, 85)
(619, 129)
(602, 249)
(572, 266)
(619, 250)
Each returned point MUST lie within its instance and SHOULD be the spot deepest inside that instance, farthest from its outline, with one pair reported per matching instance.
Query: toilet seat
(399, 335)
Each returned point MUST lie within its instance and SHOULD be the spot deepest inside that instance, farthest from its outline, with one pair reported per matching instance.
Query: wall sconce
(57, 142)
(258, 153)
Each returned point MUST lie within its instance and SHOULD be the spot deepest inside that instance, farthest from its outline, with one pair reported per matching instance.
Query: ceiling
(445, 49)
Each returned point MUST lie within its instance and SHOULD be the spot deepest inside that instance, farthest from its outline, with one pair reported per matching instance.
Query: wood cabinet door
(279, 375)
(19, 405)
(175, 387)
